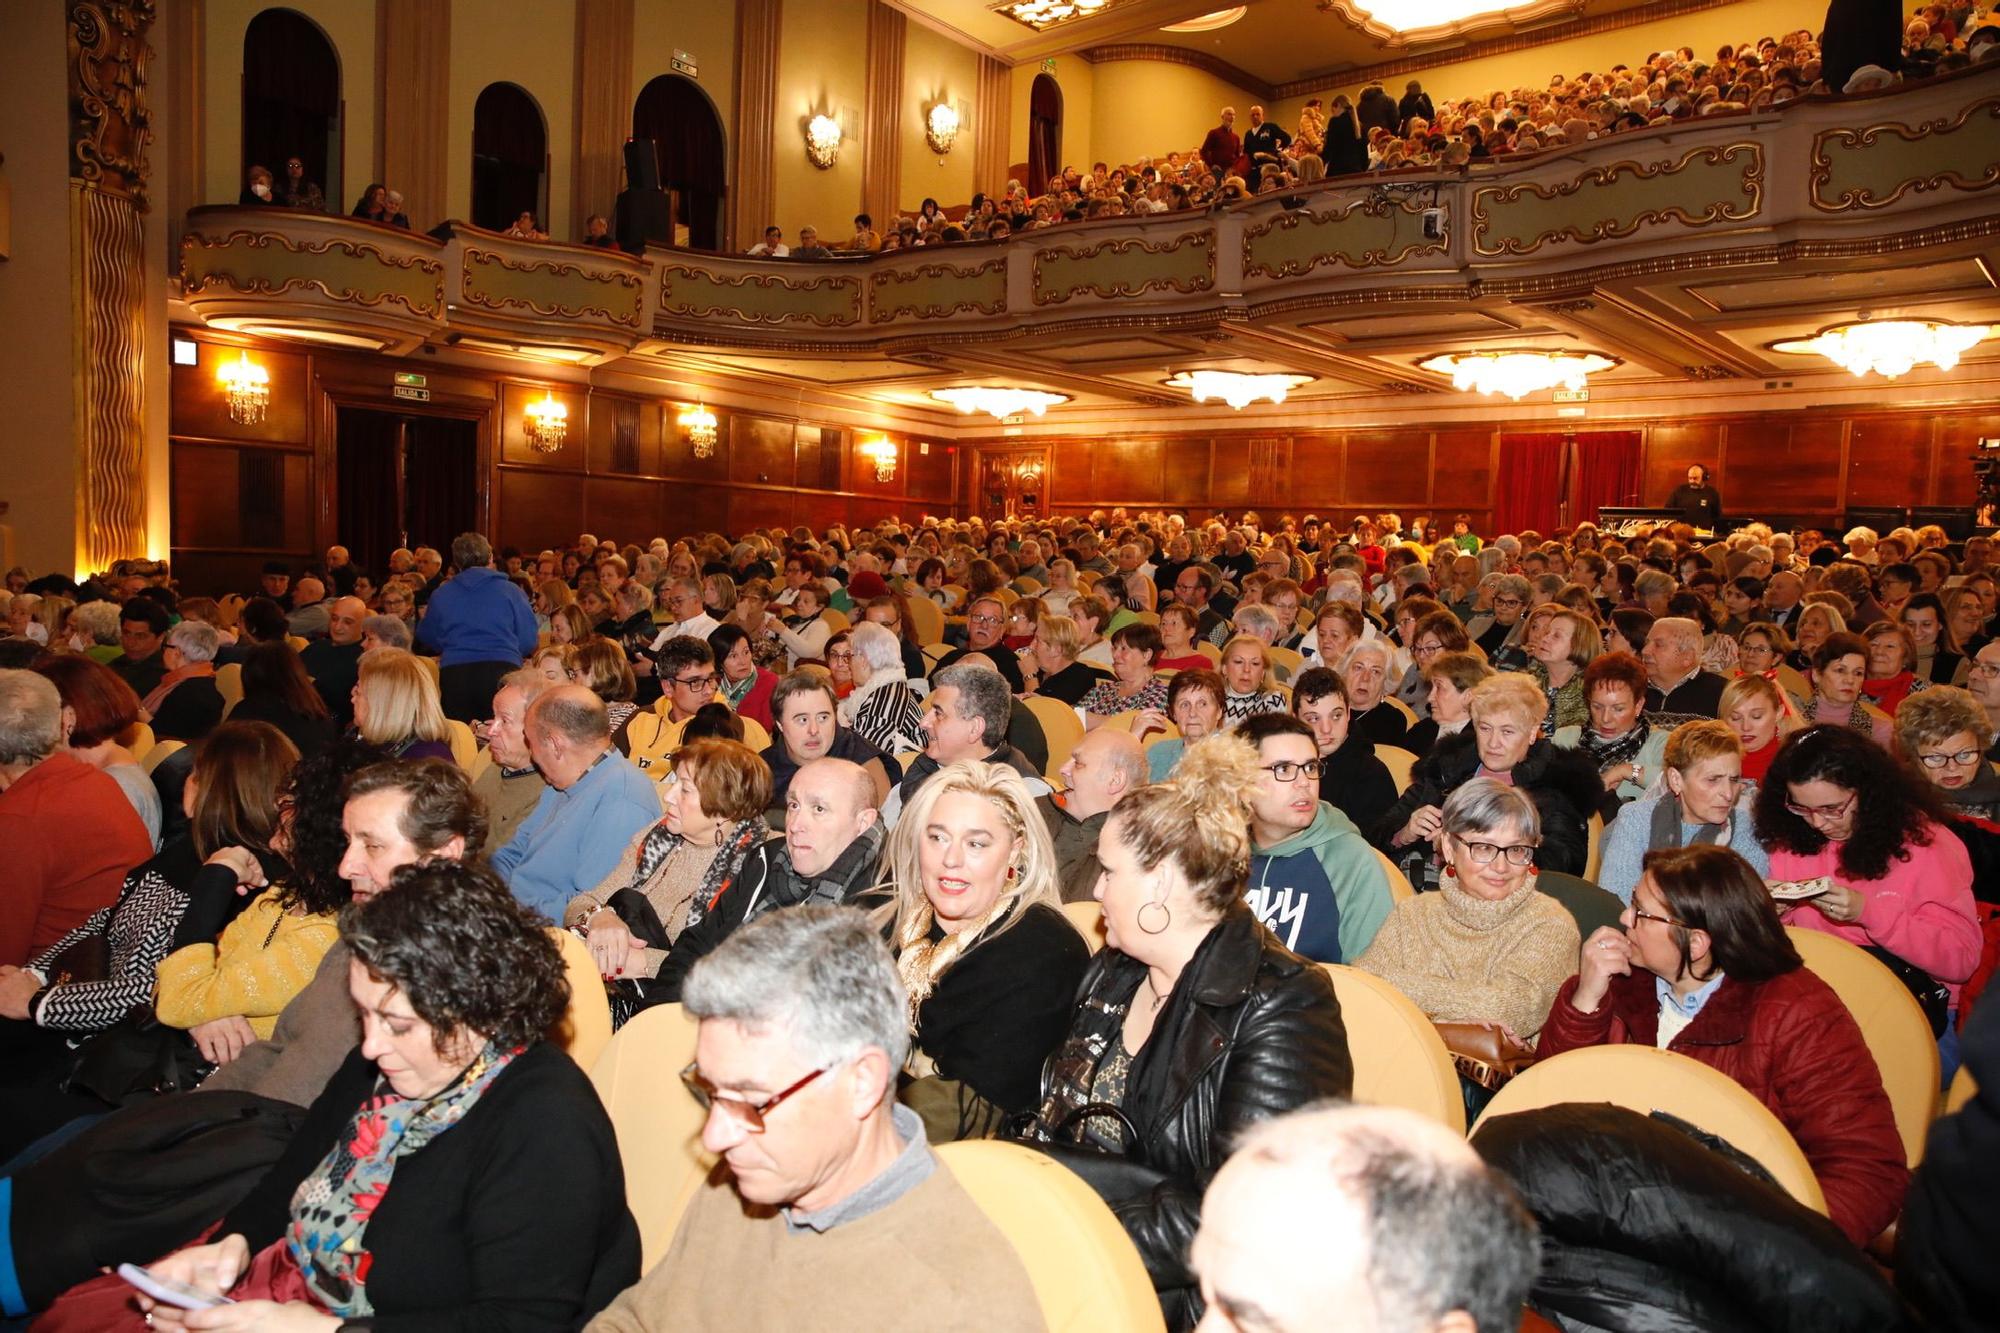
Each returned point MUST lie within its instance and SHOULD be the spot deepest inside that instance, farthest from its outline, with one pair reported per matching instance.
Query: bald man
(309, 609)
(1372, 1211)
(341, 571)
(829, 854)
(334, 662)
(1105, 767)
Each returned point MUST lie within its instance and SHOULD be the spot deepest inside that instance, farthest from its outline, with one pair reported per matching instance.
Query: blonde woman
(990, 962)
(1818, 622)
(1246, 670)
(1760, 715)
(396, 706)
(553, 662)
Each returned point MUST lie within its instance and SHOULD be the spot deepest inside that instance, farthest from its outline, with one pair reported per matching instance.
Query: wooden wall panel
(1781, 467)
(1316, 471)
(761, 450)
(514, 447)
(760, 509)
(1127, 470)
(1671, 447)
(1387, 468)
(1229, 473)
(627, 510)
(1184, 472)
(538, 509)
(624, 435)
(1889, 461)
(228, 498)
(927, 470)
(200, 408)
(1461, 471)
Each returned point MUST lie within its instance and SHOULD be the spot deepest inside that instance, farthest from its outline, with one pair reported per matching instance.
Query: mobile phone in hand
(176, 1294)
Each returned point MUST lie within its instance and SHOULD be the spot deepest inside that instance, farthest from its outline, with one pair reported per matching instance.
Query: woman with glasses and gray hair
(882, 708)
(186, 705)
(1488, 946)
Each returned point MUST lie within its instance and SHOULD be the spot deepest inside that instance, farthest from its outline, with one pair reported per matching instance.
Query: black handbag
(135, 1059)
(1933, 997)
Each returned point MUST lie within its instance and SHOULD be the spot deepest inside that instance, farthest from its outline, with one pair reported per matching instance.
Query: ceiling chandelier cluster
(998, 402)
(247, 387)
(1517, 373)
(698, 428)
(1890, 347)
(1044, 14)
(1237, 389)
(546, 424)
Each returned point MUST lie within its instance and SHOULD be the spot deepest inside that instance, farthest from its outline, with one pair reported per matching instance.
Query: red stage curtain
(1530, 489)
(1607, 473)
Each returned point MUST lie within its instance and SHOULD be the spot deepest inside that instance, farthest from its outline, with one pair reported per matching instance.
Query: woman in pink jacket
(1836, 804)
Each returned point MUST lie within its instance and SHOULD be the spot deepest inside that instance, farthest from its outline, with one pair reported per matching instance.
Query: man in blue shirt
(481, 626)
(595, 804)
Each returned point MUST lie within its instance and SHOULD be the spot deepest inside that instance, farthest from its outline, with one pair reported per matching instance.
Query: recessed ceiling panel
(1863, 287)
(1393, 327)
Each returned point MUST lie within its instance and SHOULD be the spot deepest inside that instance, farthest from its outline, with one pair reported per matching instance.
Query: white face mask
(261, 190)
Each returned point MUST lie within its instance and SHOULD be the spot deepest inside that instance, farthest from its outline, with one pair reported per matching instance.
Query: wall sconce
(698, 428)
(822, 141)
(546, 425)
(247, 386)
(941, 128)
(882, 452)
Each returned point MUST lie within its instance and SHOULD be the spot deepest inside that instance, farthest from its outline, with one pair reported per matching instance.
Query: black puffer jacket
(1251, 1030)
(1564, 787)
(1646, 1227)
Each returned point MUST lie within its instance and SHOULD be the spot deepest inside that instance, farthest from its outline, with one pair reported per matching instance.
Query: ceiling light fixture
(1409, 15)
(881, 451)
(1235, 388)
(1890, 347)
(999, 403)
(546, 424)
(941, 128)
(1221, 18)
(698, 428)
(1517, 373)
(822, 141)
(1043, 14)
(247, 386)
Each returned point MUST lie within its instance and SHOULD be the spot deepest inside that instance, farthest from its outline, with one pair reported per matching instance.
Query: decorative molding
(1388, 251)
(476, 258)
(884, 305)
(109, 282)
(196, 281)
(1574, 306)
(1050, 293)
(1750, 180)
(1709, 372)
(763, 282)
(110, 121)
(1532, 13)
(1862, 140)
(1184, 55)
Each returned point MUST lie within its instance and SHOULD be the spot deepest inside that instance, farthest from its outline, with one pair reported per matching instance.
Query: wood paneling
(624, 435)
(515, 400)
(1127, 469)
(1387, 468)
(230, 498)
(761, 450)
(200, 408)
(1790, 465)
(1888, 461)
(1461, 471)
(540, 509)
(1671, 447)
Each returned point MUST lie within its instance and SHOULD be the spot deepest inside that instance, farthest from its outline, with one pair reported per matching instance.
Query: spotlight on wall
(941, 127)
(546, 424)
(698, 428)
(822, 141)
(882, 452)
(247, 386)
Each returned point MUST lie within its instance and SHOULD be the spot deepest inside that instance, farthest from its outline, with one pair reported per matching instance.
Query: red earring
(1450, 871)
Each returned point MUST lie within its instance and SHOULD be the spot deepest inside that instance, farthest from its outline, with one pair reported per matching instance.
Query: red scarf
(185, 671)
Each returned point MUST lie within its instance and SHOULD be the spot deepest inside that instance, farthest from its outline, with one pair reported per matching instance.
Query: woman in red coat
(1703, 968)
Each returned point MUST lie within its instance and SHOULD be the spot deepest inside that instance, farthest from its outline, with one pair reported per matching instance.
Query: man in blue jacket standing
(481, 626)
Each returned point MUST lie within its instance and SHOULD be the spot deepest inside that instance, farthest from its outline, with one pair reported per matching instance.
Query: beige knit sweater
(1466, 960)
(670, 889)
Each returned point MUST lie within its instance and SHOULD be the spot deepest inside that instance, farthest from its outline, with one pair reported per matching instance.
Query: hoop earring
(1165, 911)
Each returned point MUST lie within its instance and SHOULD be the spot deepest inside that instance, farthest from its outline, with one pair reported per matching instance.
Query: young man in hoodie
(1314, 881)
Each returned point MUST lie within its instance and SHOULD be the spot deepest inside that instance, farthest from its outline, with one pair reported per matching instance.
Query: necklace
(1158, 998)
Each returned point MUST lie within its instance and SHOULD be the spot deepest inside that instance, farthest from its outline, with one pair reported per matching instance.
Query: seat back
(1891, 1022)
(464, 747)
(659, 1126)
(1210, 651)
(586, 1025)
(1962, 1090)
(1645, 1079)
(1400, 888)
(229, 682)
(150, 760)
(298, 644)
(1588, 905)
(1088, 918)
(1409, 713)
(835, 621)
(1399, 762)
(1399, 1059)
(1286, 663)
(141, 740)
(926, 619)
(1088, 1277)
(1593, 858)
(1061, 728)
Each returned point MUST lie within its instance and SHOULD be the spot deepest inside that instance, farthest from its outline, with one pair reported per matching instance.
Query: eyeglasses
(1430, 649)
(1287, 771)
(1639, 914)
(1957, 760)
(983, 620)
(1981, 667)
(749, 1116)
(1835, 811)
(1506, 601)
(840, 657)
(1482, 853)
(696, 682)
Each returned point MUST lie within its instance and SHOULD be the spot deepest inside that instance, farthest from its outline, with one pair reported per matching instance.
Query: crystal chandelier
(941, 127)
(1235, 388)
(1517, 374)
(1409, 15)
(546, 425)
(698, 428)
(998, 403)
(1039, 14)
(822, 141)
(881, 451)
(247, 386)
(1890, 347)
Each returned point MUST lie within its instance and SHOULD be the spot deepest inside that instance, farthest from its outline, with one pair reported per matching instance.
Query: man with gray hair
(68, 830)
(186, 705)
(965, 717)
(481, 627)
(595, 804)
(1675, 682)
(386, 632)
(1106, 766)
(511, 785)
(1371, 1219)
(826, 1186)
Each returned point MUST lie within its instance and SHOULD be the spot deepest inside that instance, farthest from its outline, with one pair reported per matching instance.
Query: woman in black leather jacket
(1192, 1024)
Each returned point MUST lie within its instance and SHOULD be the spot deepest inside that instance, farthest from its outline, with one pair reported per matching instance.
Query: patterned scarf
(1619, 749)
(660, 842)
(922, 960)
(332, 1206)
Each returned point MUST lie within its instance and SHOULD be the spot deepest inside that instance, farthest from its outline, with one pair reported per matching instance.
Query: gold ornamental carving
(109, 119)
(759, 298)
(1930, 143)
(111, 391)
(198, 250)
(1364, 234)
(1642, 183)
(1127, 266)
(558, 274)
(886, 304)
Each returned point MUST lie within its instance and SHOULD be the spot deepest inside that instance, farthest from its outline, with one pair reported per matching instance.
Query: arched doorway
(291, 101)
(677, 116)
(1044, 132)
(510, 158)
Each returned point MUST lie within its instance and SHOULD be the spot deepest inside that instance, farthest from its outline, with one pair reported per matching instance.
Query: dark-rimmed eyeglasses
(696, 682)
(1482, 853)
(1286, 771)
(749, 1116)
(1640, 914)
(1957, 759)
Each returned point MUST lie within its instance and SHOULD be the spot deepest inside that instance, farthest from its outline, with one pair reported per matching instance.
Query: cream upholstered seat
(141, 740)
(1210, 651)
(926, 619)
(1593, 857)
(1891, 1022)
(1646, 1079)
(150, 760)
(835, 621)
(1399, 762)
(1399, 1059)
(464, 747)
(1286, 663)
(1962, 1090)
(586, 1025)
(1087, 1275)
(1061, 728)
(658, 1124)
(229, 683)
(1088, 918)
(1400, 888)
(1409, 713)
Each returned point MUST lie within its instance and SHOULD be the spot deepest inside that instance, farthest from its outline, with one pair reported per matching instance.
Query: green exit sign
(1049, 65)
(406, 380)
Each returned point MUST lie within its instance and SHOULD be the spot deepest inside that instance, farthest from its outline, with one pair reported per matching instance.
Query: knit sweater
(307, 1043)
(1468, 960)
(264, 958)
(669, 889)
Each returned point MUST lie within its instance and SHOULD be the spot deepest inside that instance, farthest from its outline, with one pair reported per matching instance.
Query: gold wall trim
(112, 124)
(1064, 271)
(198, 251)
(1366, 233)
(937, 291)
(1604, 181)
(110, 359)
(760, 298)
(477, 261)
(1929, 144)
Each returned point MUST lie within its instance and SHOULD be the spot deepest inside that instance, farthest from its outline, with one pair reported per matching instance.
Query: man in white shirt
(773, 245)
(684, 601)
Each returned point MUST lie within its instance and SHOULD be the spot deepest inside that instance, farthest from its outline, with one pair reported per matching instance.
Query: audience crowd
(860, 802)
